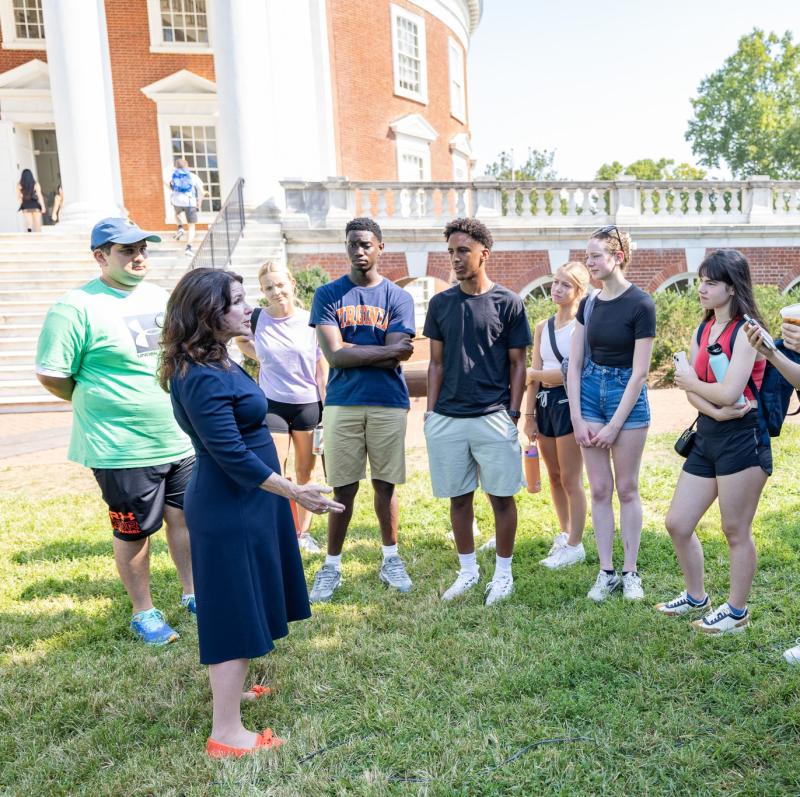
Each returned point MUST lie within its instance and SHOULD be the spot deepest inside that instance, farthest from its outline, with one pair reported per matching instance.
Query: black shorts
(552, 412)
(725, 447)
(284, 418)
(136, 496)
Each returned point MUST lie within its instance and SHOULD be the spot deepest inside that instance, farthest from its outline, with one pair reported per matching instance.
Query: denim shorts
(601, 392)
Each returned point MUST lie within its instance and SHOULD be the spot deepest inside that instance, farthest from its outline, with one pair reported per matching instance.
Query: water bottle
(317, 445)
(533, 474)
(719, 365)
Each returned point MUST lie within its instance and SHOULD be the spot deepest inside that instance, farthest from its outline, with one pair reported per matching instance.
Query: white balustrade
(551, 204)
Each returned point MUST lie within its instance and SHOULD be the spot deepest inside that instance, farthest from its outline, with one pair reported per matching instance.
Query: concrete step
(17, 343)
(9, 331)
(44, 402)
(21, 387)
(19, 357)
(16, 371)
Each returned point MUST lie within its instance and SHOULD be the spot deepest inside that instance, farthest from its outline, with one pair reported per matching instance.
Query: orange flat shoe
(260, 691)
(266, 740)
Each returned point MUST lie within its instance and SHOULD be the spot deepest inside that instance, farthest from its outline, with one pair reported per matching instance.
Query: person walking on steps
(187, 192)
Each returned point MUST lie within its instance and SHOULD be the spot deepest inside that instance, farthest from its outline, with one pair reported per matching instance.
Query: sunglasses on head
(608, 229)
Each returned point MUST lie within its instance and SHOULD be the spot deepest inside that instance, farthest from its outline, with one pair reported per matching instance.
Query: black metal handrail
(216, 249)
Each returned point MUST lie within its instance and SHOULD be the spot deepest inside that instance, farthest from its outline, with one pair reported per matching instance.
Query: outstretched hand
(312, 498)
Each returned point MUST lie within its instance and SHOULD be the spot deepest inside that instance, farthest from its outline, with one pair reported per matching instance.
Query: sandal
(259, 691)
(266, 740)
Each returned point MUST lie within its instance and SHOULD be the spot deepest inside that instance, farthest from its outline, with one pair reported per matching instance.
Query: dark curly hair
(476, 230)
(731, 267)
(362, 223)
(193, 316)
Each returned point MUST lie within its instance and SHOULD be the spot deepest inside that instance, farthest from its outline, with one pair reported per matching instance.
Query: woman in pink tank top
(730, 458)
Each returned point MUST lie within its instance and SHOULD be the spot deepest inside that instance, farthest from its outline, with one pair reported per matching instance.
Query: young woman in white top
(547, 417)
(292, 375)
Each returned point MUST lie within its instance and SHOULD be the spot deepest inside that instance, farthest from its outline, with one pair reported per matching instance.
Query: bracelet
(530, 414)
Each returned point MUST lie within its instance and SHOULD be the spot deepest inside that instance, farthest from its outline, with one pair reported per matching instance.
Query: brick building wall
(364, 101)
(132, 67)
(778, 265)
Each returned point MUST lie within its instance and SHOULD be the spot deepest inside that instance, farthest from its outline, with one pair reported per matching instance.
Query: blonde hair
(271, 267)
(577, 273)
(616, 241)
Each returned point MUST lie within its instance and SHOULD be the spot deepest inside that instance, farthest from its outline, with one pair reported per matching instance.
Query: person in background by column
(29, 196)
(364, 325)
(186, 197)
(250, 582)
(58, 204)
(479, 335)
(547, 418)
(790, 371)
(98, 349)
(608, 404)
(292, 374)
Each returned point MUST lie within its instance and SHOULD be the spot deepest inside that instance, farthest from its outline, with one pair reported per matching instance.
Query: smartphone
(679, 358)
(765, 336)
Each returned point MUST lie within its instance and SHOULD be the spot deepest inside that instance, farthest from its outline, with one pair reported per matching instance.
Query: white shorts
(461, 450)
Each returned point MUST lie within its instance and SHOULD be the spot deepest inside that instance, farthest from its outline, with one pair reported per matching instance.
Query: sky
(602, 81)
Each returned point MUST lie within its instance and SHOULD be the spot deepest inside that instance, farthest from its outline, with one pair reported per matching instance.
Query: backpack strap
(700, 330)
(551, 331)
(254, 319)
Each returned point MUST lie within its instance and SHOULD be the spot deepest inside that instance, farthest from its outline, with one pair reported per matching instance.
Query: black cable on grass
(333, 746)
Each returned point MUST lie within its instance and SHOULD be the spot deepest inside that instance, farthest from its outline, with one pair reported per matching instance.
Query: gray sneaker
(393, 573)
(326, 581)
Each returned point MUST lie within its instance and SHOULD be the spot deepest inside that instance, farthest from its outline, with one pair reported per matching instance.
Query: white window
(458, 94)
(198, 144)
(179, 26)
(412, 166)
(23, 24)
(410, 56)
(421, 290)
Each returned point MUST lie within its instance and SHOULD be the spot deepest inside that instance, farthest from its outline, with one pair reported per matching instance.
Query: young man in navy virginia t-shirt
(364, 325)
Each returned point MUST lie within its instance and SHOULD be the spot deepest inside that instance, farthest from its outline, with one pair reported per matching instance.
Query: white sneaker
(466, 579)
(632, 587)
(559, 542)
(792, 655)
(564, 556)
(307, 543)
(722, 622)
(489, 545)
(499, 588)
(682, 605)
(604, 585)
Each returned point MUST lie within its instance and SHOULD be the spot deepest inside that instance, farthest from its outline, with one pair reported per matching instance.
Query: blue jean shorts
(601, 392)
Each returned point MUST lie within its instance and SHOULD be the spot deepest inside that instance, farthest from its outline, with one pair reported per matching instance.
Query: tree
(648, 169)
(539, 166)
(747, 113)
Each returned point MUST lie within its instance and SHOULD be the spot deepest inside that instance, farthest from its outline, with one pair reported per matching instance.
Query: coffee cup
(791, 314)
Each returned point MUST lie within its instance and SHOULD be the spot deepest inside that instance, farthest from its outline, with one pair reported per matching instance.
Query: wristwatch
(514, 414)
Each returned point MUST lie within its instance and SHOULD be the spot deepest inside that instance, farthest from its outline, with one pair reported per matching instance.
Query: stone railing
(627, 202)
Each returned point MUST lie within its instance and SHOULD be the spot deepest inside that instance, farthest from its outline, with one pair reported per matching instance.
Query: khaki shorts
(352, 434)
(460, 450)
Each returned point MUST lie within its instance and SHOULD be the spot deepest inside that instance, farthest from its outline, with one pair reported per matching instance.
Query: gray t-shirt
(477, 332)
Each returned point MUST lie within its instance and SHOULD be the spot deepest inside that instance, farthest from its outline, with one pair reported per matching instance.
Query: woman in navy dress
(249, 581)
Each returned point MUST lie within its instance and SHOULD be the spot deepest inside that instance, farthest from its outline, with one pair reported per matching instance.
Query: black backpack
(776, 391)
(254, 318)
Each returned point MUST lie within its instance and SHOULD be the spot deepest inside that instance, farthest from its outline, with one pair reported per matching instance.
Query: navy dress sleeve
(207, 398)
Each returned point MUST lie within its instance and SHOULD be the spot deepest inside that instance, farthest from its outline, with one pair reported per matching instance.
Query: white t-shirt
(186, 199)
(288, 353)
(563, 341)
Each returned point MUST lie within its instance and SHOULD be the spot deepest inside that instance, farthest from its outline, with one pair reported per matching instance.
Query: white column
(80, 78)
(247, 116)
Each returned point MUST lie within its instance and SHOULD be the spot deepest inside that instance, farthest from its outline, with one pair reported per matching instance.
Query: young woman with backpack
(29, 195)
(607, 383)
(292, 376)
(789, 369)
(730, 458)
(547, 418)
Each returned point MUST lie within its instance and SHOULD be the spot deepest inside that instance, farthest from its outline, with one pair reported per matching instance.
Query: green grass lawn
(383, 694)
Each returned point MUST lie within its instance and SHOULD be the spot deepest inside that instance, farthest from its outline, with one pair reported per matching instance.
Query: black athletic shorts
(552, 412)
(283, 418)
(136, 496)
(725, 447)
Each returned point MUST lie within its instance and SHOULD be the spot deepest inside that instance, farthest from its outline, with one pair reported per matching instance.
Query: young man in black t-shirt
(478, 334)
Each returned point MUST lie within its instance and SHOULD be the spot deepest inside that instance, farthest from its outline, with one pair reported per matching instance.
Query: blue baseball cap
(119, 231)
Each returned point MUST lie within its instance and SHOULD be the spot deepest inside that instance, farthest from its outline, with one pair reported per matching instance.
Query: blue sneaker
(188, 602)
(152, 628)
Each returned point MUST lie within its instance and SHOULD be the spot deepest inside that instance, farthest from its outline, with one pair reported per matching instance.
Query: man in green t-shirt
(98, 348)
